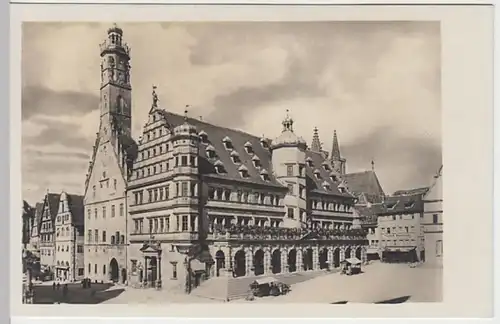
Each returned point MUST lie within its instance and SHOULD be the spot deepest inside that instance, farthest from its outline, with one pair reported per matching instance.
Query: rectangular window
(95, 213)
(89, 235)
(162, 225)
(96, 236)
(184, 189)
(104, 236)
(103, 211)
(150, 195)
(184, 223)
(289, 170)
(290, 213)
(388, 230)
(112, 210)
(439, 248)
(121, 209)
(80, 271)
(174, 270)
(435, 219)
(89, 212)
(150, 225)
(167, 224)
(136, 226)
(161, 193)
(167, 191)
(156, 225)
(184, 160)
(79, 249)
(290, 189)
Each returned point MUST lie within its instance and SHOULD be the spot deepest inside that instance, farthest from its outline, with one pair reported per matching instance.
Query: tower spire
(316, 144)
(335, 147)
(373, 165)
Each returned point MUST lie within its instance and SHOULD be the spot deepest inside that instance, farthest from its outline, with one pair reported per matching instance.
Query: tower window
(183, 160)
(289, 170)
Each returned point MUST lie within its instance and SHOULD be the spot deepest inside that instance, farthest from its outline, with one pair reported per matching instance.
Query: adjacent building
(69, 238)
(34, 240)
(433, 221)
(46, 230)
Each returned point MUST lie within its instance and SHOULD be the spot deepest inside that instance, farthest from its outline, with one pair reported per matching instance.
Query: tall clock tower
(115, 87)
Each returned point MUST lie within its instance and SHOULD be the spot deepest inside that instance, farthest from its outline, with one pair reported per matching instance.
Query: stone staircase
(228, 288)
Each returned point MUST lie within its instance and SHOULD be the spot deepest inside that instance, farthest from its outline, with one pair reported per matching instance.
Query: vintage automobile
(268, 286)
(350, 266)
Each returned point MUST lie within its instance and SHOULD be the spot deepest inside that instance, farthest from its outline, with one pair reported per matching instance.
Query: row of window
(394, 217)
(64, 218)
(162, 224)
(121, 211)
(164, 166)
(399, 242)
(400, 229)
(63, 231)
(104, 183)
(115, 239)
(330, 206)
(181, 189)
(244, 196)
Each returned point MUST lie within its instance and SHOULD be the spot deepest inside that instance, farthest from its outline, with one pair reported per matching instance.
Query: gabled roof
(53, 201)
(75, 204)
(38, 213)
(316, 185)
(214, 137)
(365, 182)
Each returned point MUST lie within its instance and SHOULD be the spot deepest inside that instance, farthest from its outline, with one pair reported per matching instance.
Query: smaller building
(46, 230)
(433, 221)
(400, 226)
(34, 242)
(69, 238)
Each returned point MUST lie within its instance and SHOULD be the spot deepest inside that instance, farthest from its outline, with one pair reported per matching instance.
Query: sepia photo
(240, 162)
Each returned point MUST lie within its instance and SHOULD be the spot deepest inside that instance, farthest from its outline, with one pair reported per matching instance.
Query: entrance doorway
(323, 259)
(113, 270)
(336, 257)
(276, 261)
(292, 260)
(308, 259)
(258, 262)
(220, 262)
(239, 264)
(124, 275)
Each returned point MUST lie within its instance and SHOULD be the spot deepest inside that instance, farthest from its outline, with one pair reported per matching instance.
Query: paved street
(379, 282)
(98, 293)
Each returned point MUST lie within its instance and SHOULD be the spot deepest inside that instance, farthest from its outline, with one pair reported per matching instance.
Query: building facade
(34, 242)
(191, 200)
(46, 230)
(69, 238)
(105, 186)
(433, 221)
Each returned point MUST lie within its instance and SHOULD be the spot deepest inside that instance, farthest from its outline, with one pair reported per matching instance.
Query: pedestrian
(58, 286)
(54, 285)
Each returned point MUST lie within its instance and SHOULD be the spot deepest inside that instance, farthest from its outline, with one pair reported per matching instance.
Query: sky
(376, 83)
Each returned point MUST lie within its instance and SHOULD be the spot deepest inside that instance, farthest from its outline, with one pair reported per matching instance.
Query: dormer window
(342, 188)
(264, 175)
(326, 185)
(264, 142)
(334, 177)
(326, 166)
(228, 144)
(203, 136)
(391, 205)
(243, 171)
(317, 174)
(210, 151)
(409, 204)
(219, 167)
(256, 161)
(104, 175)
(248, 147)
(236, 157)
(309, 161)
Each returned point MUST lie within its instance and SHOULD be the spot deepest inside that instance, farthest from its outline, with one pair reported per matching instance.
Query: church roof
(214, 138)
(75, 204)
(365, 182)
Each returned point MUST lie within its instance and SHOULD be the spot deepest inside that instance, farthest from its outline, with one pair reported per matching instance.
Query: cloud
(376, 83)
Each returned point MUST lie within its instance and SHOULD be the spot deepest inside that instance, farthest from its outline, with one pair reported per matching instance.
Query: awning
(400, 248)
(266, 280)
(353, 261)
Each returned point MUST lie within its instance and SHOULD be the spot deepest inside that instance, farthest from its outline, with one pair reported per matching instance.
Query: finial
(186, 113)
(373, 165)
(155, 97)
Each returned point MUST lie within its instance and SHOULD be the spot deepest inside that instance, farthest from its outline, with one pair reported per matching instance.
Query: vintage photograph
(231, 162)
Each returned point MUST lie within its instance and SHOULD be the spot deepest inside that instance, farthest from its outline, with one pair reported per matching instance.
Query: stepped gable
(214, 138)
(316, 162)
(366, 183)
(75, 203)
(409, 204)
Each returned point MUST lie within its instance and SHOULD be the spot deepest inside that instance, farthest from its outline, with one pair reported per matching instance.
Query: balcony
(169, 236)
(267, 233)
(248, 207)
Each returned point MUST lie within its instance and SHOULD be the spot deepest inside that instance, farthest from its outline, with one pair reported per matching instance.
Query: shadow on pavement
(96, 294)
(398, 300)
(340, 302)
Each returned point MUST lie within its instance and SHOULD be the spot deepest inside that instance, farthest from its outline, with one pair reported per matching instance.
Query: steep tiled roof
(403, 205)
(53, 200)
(316, 185)
(416, 191)
(215, 135)
(38, 212)
(365, 182)
(369, 214)
(75, 203)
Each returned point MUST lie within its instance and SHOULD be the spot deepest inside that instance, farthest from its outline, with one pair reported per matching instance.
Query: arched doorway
(220, 262)
(308, 259)
(258, 262)
(323, 259)
(336, 257)
(292, 260)
(124, 275)
(347, 253)
(276, 261)
(358, 253)
(113, 270)
(239, 264)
